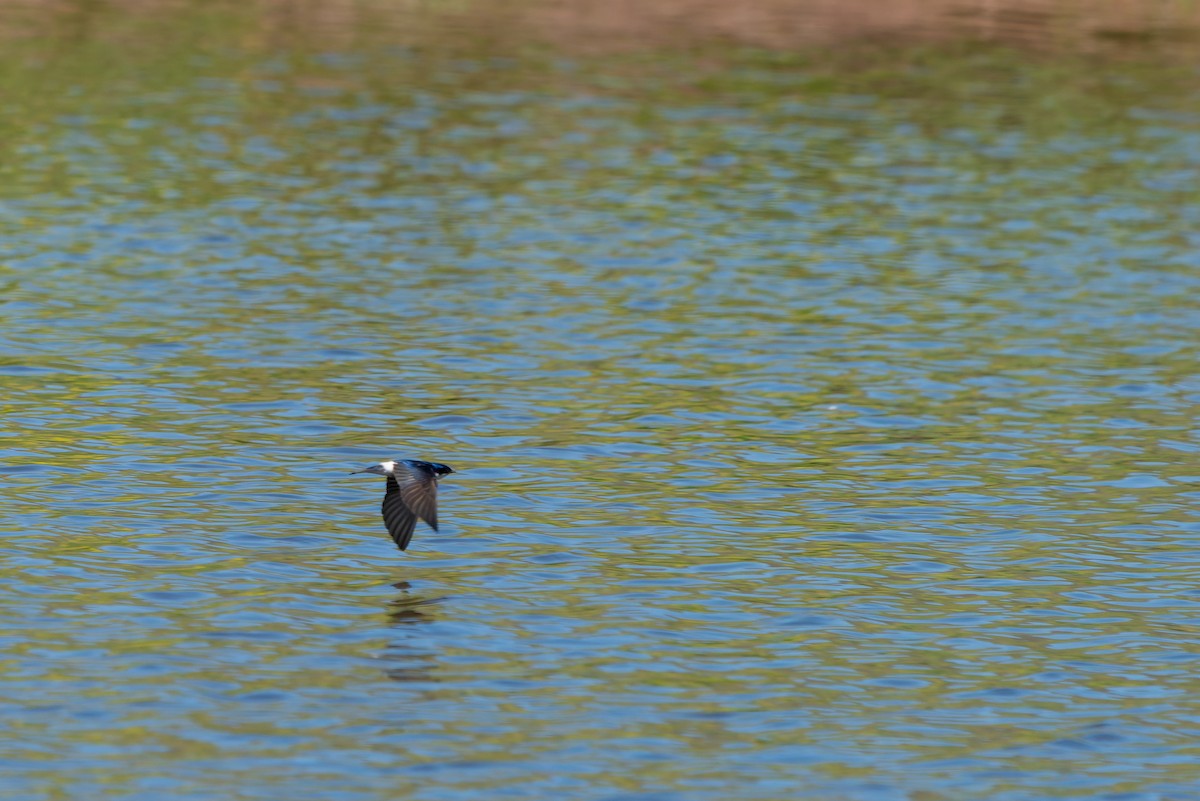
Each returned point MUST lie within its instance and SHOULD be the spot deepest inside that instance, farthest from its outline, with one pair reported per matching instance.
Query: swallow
(411, 494)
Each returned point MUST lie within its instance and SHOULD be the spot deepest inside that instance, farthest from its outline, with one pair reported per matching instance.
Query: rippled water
(818, 437)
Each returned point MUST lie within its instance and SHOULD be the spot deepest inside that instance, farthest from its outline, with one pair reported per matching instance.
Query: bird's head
(441, 469)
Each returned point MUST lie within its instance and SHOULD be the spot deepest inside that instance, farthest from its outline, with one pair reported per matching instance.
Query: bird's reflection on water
(405, 662)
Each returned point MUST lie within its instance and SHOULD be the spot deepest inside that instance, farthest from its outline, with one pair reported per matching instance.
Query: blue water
(817, 438)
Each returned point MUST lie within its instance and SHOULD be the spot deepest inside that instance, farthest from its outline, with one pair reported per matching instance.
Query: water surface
(820, 435)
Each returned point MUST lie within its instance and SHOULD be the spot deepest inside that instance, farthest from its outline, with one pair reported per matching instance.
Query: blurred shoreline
(1068, 26)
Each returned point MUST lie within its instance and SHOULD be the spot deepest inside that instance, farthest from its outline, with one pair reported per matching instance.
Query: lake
(824, 428)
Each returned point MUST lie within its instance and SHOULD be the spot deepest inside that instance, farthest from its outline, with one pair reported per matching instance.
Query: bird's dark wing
(397, 516)
(418, 490)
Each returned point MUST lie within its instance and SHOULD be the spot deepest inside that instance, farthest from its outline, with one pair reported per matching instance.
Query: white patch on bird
(389, 466)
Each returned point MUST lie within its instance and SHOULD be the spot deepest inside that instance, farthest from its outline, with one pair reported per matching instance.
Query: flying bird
(411, 494)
